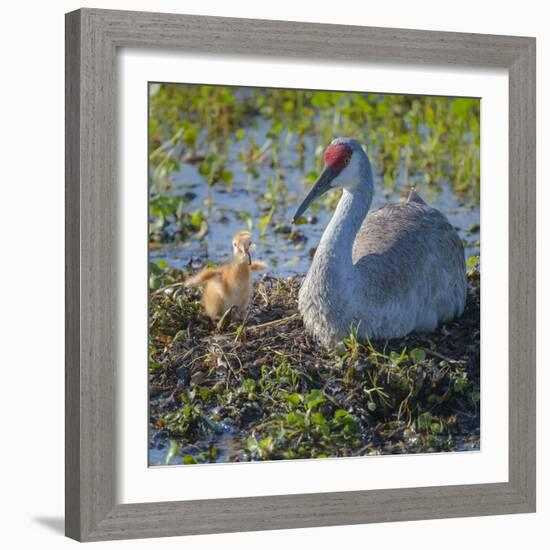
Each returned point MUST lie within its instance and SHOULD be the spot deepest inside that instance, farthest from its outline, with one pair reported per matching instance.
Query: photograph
(314, 274)
(280, 266)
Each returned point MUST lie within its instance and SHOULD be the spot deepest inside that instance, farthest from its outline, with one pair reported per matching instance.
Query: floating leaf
(173, 451)
(417, 355)
(293, 398)
(314, 399)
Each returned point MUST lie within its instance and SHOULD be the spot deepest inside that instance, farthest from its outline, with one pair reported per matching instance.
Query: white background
(32, 135)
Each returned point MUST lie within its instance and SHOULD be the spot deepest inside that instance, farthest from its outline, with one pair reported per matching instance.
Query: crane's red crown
(337, 156)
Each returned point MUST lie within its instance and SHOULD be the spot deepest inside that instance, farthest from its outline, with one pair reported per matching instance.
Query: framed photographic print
(300, 275)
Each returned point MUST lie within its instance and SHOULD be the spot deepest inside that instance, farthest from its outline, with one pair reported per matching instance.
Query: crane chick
(229, 285)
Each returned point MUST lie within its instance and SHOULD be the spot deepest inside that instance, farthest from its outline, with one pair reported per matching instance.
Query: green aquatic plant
(262, 390)
(226, 132)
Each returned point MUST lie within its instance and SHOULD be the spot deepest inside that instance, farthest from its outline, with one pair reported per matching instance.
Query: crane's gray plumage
(388, 272)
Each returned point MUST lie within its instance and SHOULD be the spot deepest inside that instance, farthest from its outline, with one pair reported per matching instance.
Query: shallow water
(159, 447)
(285, 248)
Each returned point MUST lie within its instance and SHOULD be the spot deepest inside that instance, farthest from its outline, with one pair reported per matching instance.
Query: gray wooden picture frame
(92, 39)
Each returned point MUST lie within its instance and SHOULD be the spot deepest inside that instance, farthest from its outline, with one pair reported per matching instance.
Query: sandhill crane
(387, 272)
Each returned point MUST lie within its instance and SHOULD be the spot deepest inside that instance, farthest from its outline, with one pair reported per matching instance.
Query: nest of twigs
(262, 388)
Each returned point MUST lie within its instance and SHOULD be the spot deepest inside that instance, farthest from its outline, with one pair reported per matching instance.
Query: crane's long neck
(335, 248)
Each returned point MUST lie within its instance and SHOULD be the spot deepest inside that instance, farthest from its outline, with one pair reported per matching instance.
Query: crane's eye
(347, 160)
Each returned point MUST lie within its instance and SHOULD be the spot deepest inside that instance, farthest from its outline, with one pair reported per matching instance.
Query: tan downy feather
(229, 285)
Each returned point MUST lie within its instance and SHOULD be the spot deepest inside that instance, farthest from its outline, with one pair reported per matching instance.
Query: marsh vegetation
(226, 159)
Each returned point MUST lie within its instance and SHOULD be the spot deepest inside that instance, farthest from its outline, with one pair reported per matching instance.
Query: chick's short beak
(245, 251)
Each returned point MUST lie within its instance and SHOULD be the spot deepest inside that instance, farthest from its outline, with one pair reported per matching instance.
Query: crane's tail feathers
(415, 197)
(202, 277)
(258, 266)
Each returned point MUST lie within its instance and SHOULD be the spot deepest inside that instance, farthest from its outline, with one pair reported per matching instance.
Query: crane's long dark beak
(320, 187)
